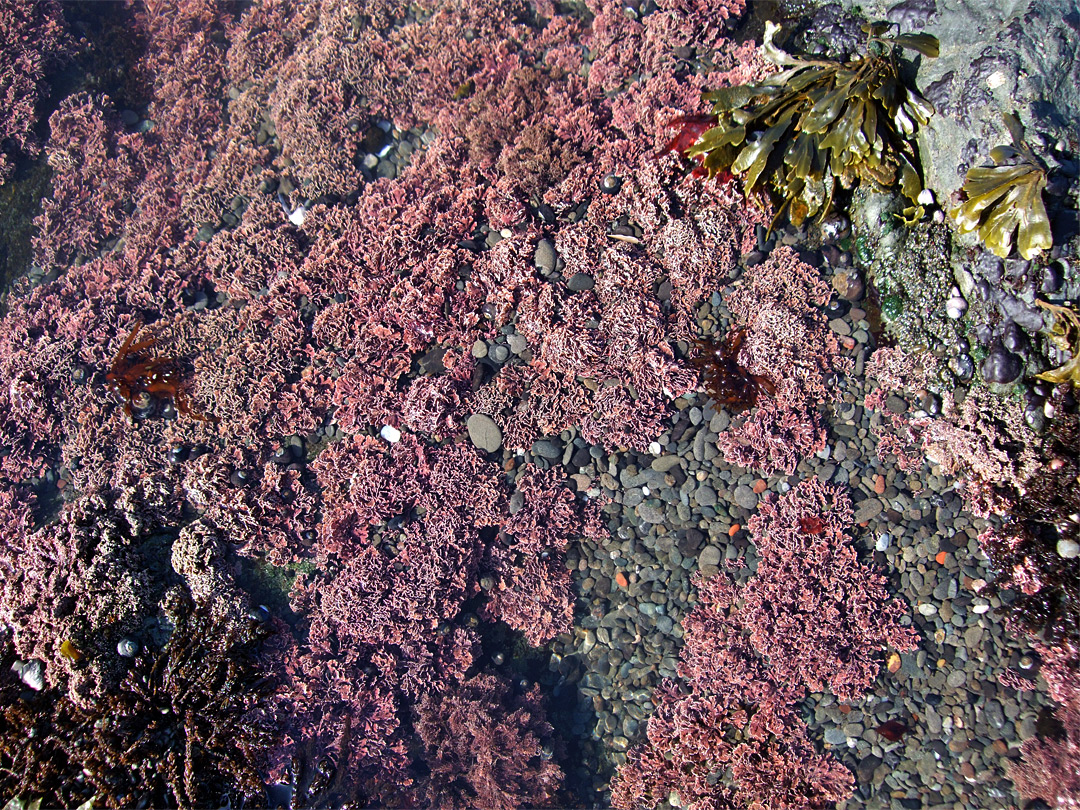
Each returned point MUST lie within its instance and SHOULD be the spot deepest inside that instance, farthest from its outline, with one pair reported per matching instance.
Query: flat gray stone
(709, 557)
(665, 463)
(744, 497)
(484, 433)
(545, 256)
(868, 510)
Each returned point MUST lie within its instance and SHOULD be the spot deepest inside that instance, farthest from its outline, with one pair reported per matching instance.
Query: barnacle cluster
(1007, 198)
(818, 124)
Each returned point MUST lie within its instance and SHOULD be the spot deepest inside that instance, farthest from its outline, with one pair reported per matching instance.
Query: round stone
(745, 497)
(1001, 366)
(550, 449)
(956, 678)
(390, 434)
(499, 352)
(580, 282)
(955, 307)
(1067, 548)
(484, 433)
(709, 557)
(545, 257)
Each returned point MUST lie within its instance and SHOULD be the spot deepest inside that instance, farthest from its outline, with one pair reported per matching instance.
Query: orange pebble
(759, 486)
(734, 529)
(621, 579)
(894, 662)
(941, 557)
(879, 484)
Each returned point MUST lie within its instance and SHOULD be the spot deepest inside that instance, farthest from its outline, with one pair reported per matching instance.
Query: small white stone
(883, 542)
(980, 609)
(298, 216)
(926, 197)
(995, 80)
(32, 674)
(655, 448)
(646, 491)
(926, 609)
(390, 433)
(955, 307)
(506, 233)
(1068, 549)
(938, 216)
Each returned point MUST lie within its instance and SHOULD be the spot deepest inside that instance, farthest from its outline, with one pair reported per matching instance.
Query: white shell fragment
(390, 433)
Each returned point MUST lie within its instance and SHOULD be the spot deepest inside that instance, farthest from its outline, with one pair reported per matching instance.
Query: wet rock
(1001, 366)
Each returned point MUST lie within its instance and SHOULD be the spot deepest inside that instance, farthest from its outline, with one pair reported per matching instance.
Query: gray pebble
(499, 352)
(484, 433)
(868, 510)
(663, 464)
(517, 343)
(709, 557)
(650, 514)
(706, 495)
(386, 169)
(835, 736)
(956, 678)
(580, 282)
(745, 497)
(547, 448)
(545, 257)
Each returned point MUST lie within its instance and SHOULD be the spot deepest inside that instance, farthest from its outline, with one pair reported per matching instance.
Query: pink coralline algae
(826, 631)
(786, 342)
(335, 311)
(811, 618)
(1050, 766)
(487, 747)
(35, 40)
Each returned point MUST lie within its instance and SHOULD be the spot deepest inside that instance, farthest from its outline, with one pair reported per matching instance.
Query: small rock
(1068, 549)
(390, 434)
(709, 557)
(550, 449)
(580, 282)
(484, 433)
(517, 343)
(665, 463)
(835, 736)
(650, 514)
(745, 497)
(705, 496)
(545, 258)
(868, 510)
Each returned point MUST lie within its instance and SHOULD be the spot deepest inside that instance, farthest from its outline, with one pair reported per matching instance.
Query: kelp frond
(818, 123)
(1065, 334)
(1007, 198)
